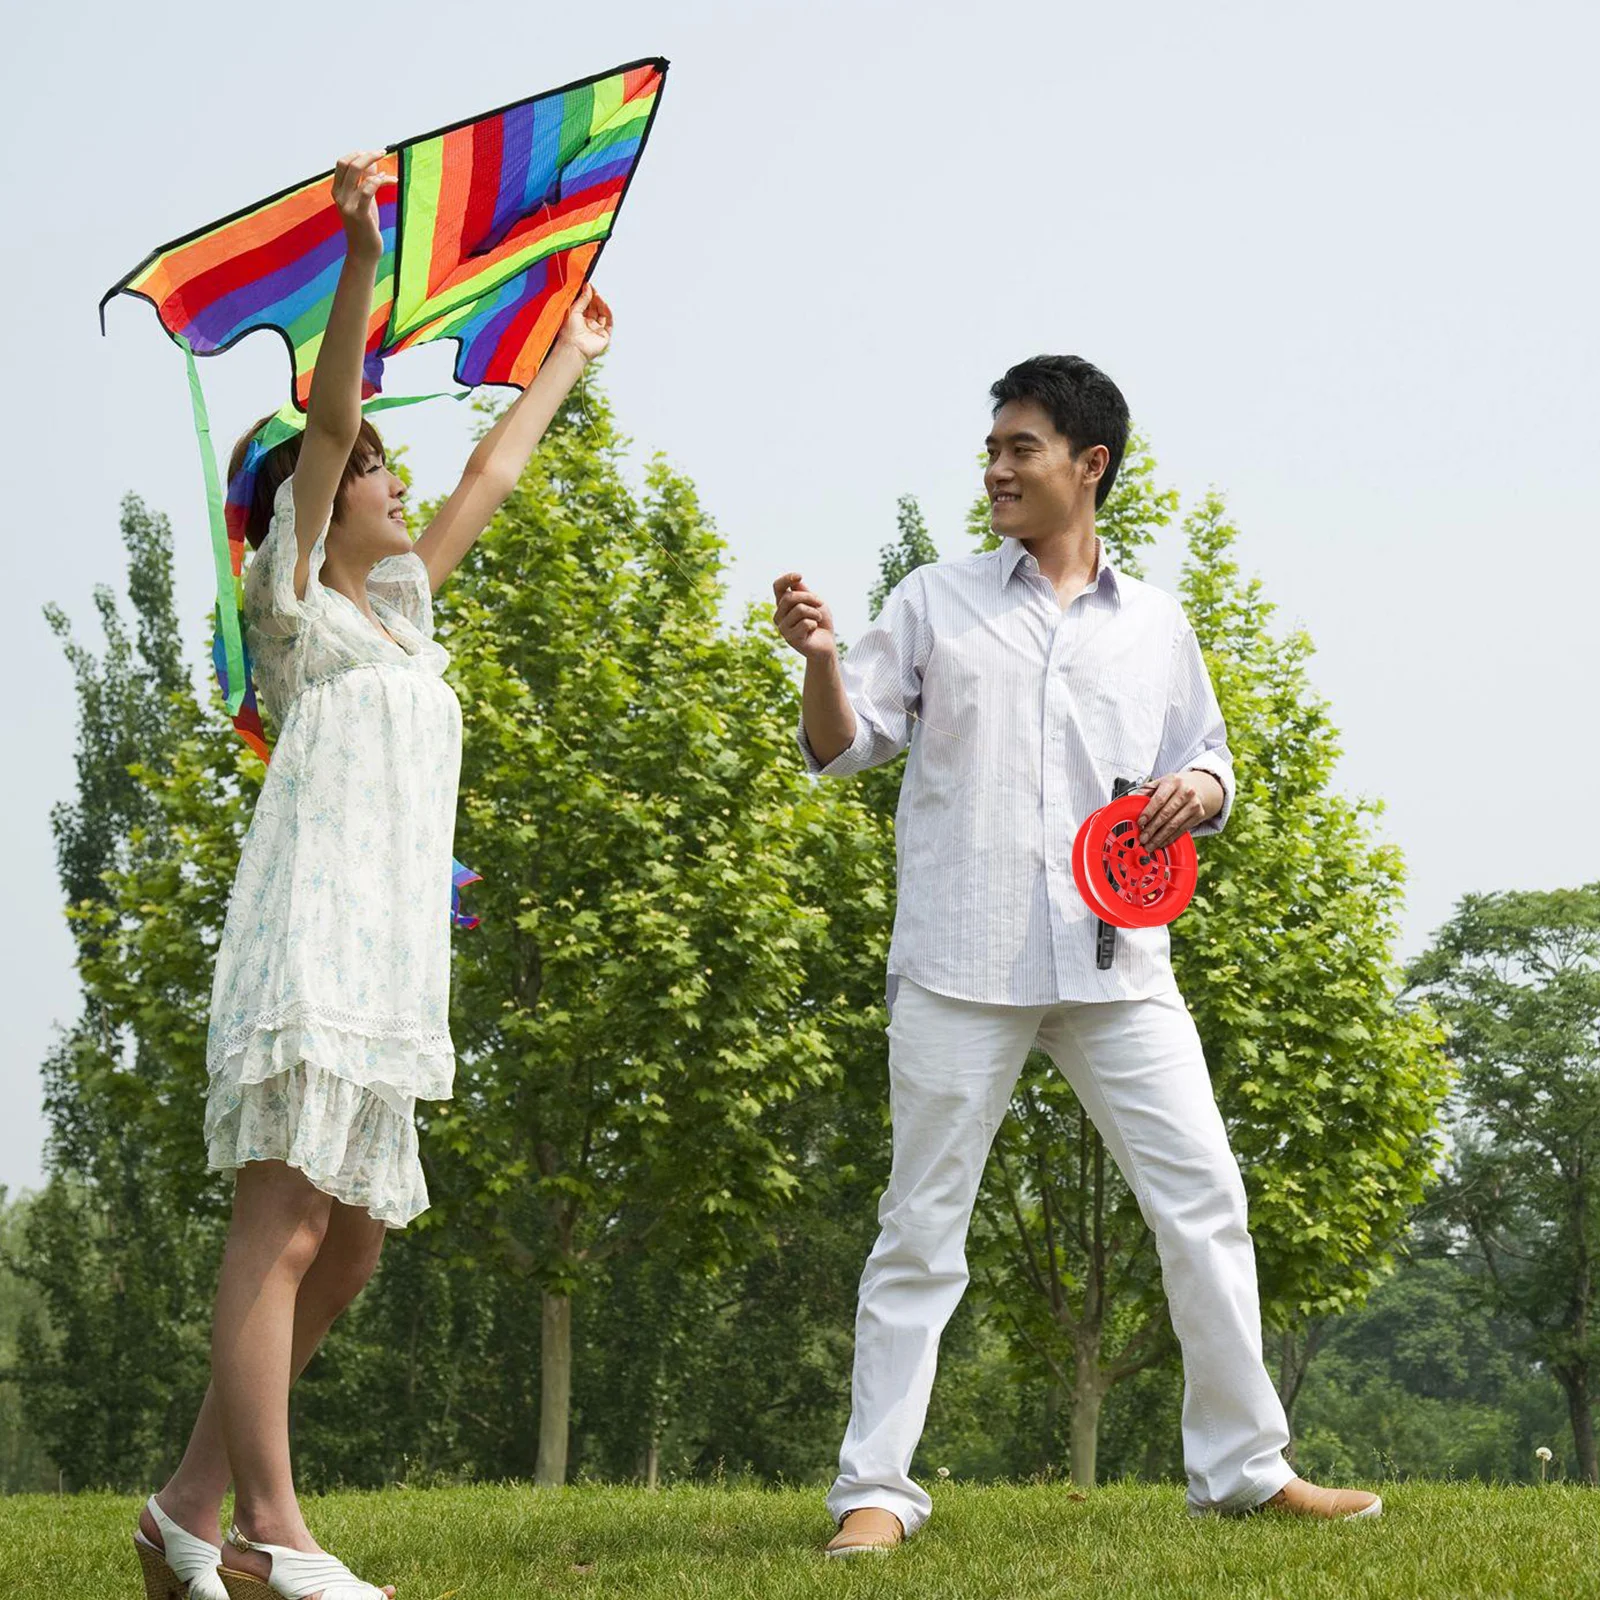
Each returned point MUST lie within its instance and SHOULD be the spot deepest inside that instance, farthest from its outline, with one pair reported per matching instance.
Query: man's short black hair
(1084, 404)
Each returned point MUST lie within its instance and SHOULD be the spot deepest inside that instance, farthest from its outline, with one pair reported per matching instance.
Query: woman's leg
(344, 1263)
(254, 1406)
(279, 1224)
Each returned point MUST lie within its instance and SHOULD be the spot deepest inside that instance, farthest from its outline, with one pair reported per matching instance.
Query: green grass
(1451, 1541)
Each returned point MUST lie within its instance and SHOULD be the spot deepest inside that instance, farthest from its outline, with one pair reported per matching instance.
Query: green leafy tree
(1332, 1090)
(912, 549)
(25, 1464)
(634, 1012)
(1516, 977)
(1426, 1380)
(119, 1248)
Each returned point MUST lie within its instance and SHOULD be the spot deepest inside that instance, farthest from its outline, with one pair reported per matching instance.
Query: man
(1027, 682)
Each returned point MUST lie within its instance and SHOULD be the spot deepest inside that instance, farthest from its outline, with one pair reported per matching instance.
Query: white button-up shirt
(1020, 714)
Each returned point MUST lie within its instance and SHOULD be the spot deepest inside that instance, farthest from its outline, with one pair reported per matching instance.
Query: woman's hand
(588, 326)
(356, 181)
(495, 466)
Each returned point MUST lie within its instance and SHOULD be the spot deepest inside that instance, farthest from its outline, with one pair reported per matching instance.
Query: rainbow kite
(490, 233)
(492, 229)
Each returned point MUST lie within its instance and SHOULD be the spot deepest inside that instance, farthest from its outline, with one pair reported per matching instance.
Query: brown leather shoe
(866, 1531)
(1301, 1499)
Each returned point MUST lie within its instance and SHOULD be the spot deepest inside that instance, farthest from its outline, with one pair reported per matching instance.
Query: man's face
(1035, 484)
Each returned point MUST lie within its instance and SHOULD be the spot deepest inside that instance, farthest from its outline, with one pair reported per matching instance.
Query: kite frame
(660, 63)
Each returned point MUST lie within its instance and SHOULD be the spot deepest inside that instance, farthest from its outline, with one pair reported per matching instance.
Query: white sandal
(295, 1574)
(182, 1567)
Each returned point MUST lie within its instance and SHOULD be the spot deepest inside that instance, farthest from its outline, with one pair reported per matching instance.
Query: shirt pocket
(1126, 717)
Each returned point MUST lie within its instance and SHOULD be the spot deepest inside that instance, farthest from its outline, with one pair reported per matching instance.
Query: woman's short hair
(279, 463)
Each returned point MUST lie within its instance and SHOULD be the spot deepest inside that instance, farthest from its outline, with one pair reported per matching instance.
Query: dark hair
(1086, 407)
(279, 463)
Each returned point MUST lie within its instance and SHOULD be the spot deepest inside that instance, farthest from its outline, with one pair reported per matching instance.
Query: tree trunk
(555, 1389)
(1054, 1394)
(1088, 1394)
(1294, 1364)
(1580, 1408)
(652, 1462)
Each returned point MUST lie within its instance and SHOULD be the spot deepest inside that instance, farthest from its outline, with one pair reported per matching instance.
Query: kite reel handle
(1105, 935)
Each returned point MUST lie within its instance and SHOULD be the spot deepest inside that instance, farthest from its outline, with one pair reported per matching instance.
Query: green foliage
(912, 549)
(1517, 978)
(1331, 1090)
(634, 1013)
(25, 1464)
(119, 1248)
(1421, 1382)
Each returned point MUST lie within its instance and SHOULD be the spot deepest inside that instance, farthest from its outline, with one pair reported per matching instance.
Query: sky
(1341, 260)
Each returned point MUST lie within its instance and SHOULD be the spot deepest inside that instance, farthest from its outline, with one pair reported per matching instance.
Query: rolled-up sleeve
(1195, 737)
(882, 673)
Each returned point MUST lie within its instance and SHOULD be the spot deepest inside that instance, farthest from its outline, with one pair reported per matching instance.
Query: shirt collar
(1012, 552)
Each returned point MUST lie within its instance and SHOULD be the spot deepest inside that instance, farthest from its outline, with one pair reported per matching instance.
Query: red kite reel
(1122, 882)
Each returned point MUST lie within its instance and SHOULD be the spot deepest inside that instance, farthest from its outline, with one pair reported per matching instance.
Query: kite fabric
(489, 234)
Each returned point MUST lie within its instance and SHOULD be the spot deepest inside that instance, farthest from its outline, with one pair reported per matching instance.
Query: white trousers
(1138, 1069)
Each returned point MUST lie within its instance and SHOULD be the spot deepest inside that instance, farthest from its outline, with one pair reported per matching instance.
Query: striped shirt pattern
(1020, 714)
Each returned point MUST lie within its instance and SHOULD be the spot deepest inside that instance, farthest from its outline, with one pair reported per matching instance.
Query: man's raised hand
(802, 617)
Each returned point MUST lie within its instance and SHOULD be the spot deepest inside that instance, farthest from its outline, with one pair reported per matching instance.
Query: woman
(330, 999)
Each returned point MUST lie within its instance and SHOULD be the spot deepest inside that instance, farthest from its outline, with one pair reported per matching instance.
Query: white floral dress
(329, 1007)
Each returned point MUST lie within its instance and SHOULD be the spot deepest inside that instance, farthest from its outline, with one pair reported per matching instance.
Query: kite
(490, 232)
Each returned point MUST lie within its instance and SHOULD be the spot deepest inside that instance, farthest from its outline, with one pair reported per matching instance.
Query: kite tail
(460, 877)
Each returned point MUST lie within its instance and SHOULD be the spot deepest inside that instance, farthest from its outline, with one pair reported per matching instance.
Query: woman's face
(371, 521)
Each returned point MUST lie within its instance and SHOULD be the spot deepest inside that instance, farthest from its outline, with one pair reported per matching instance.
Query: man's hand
(802, 618)
(1180, 801)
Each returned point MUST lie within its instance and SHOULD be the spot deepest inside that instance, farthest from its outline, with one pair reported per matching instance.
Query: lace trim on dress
(433, 1041)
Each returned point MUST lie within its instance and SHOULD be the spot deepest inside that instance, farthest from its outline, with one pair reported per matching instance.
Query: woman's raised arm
(493, 468)
(333, 412)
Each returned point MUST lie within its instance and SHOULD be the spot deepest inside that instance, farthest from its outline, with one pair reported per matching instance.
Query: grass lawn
(1453, 1541)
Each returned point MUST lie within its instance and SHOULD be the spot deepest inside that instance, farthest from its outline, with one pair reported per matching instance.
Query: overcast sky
(1341, 259)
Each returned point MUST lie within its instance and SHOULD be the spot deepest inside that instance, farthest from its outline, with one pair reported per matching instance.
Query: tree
(119, 1247)
(912, 549)
(1516, 977)
(1426, 1380)
(1332, 1090)
(25, 1466)
(632, 1015)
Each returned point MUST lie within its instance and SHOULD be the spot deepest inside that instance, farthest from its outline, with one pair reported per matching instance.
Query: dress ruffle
(335, 1104)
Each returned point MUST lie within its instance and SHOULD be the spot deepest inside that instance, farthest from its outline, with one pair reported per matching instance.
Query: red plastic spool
(1122, 882)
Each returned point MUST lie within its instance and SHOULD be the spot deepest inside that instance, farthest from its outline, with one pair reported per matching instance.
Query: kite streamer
(490, 232)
